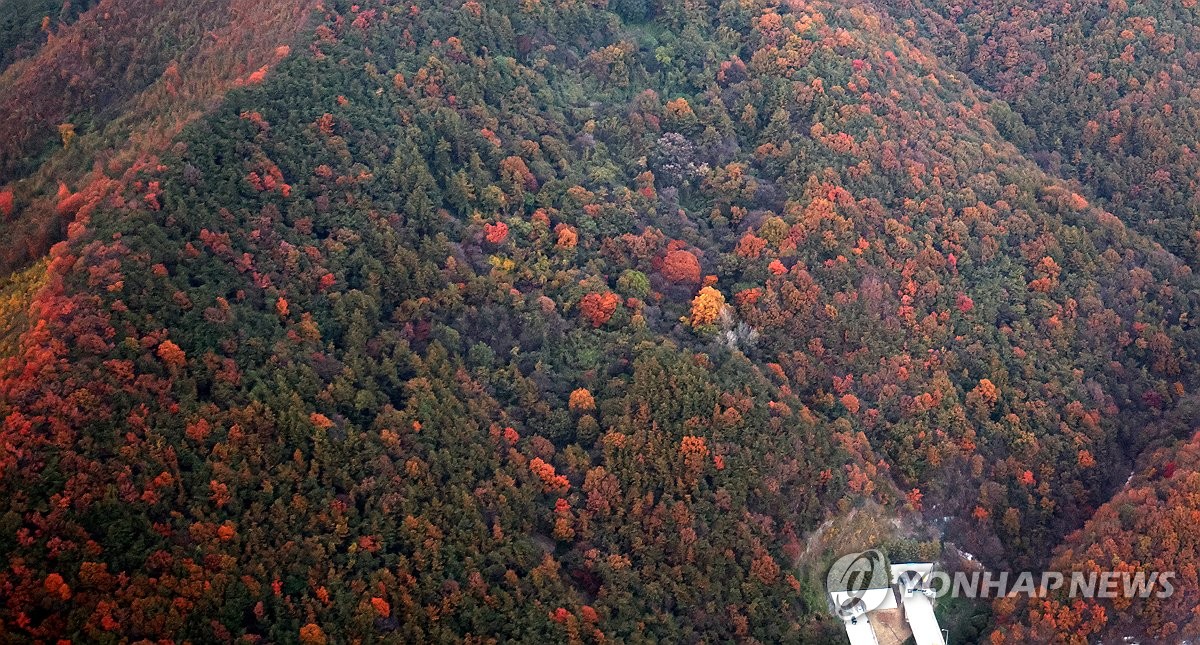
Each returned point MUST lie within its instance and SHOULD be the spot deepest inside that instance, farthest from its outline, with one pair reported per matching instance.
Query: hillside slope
(1149, 525)
(108, 92)
(1103, 93)
(544, 322)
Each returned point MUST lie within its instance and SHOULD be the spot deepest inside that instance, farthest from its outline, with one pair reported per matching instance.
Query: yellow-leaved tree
(706, 306)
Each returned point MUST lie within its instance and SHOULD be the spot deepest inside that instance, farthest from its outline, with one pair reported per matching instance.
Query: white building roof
(918, 610)
(872, 599)
(918, 607)
(921, 568)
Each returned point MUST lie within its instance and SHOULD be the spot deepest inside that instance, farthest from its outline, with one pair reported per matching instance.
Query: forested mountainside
(1105, 95)
(106, 92)
(540, 322)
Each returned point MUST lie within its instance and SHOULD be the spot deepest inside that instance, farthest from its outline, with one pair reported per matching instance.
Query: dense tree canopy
(554, 322)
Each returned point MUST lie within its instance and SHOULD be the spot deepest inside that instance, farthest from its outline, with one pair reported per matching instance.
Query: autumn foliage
(597, 308)
(171, 354)
(423, 333)
(706, 306)
(681, 267)
(581, 400)
(496, 233)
